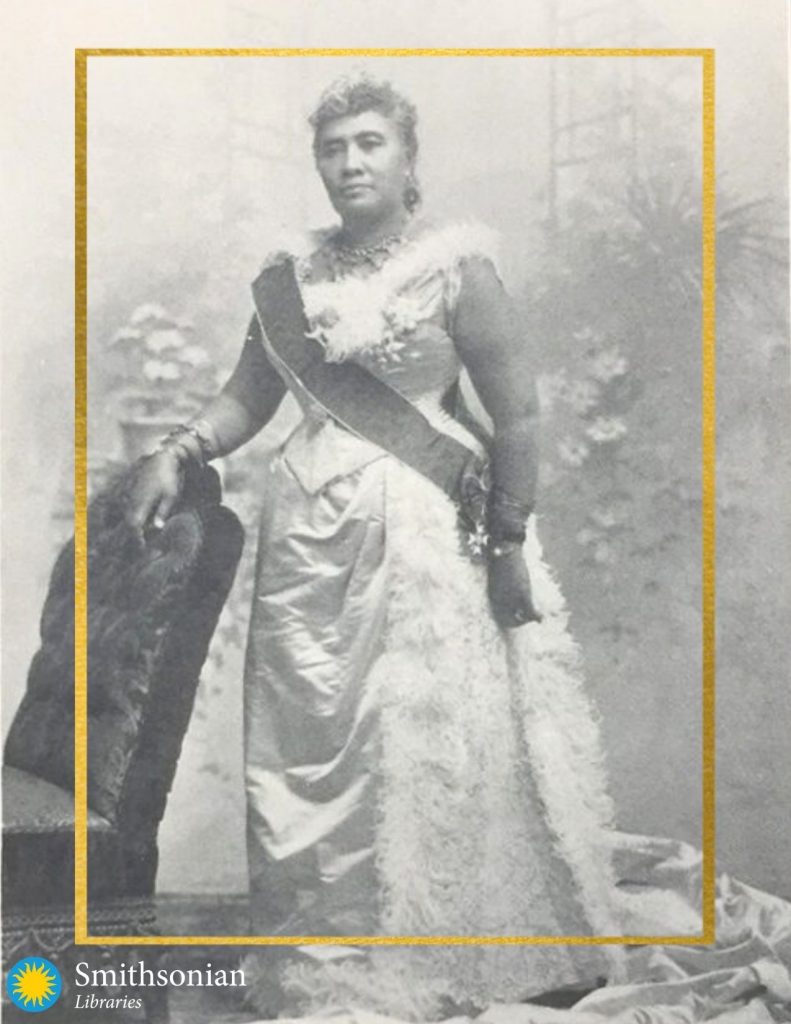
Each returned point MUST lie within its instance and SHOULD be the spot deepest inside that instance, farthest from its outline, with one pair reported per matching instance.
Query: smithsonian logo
(34, 984)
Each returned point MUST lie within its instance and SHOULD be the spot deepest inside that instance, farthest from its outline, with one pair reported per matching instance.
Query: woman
(420, 758)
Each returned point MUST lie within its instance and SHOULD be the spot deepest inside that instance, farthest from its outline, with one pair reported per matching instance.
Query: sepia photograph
(363, 632)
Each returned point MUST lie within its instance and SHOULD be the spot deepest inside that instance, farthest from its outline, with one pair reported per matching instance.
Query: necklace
(346, 258)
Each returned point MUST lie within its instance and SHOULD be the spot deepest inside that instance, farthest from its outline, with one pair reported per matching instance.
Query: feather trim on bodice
(376, 314)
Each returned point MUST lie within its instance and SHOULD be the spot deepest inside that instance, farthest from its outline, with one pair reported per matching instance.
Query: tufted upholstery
(152, 610)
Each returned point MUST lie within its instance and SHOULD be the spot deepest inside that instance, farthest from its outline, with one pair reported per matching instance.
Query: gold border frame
(81, 935)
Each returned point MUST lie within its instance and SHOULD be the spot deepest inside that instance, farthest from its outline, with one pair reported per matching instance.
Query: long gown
(412, 769)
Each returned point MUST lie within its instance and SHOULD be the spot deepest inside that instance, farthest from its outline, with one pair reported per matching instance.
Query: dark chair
(152, 610)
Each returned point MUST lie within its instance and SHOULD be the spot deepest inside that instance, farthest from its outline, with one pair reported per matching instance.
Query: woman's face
(363, 164)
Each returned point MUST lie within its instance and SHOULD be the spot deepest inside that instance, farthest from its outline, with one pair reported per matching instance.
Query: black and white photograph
(395, 513)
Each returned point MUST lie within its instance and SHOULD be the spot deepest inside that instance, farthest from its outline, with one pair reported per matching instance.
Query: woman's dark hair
(352, 95)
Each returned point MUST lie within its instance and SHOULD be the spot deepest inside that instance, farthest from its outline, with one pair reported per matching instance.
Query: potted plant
(165, 377)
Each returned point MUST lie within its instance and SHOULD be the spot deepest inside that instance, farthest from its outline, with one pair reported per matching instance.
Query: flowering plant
(164, 372)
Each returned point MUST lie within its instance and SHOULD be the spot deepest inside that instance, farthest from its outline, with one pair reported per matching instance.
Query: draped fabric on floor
(744, 979)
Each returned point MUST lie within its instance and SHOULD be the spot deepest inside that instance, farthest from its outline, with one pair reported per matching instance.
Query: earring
(411, 192)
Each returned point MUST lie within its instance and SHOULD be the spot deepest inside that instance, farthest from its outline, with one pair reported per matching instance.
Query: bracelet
(505, 534)
(499, 549)
(204, 434)
(173, 441)
(507, 516)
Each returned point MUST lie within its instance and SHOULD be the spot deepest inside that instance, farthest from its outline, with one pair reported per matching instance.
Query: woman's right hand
(155, 491)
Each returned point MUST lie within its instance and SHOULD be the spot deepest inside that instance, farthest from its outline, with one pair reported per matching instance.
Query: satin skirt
(316, 630)
(412, 769)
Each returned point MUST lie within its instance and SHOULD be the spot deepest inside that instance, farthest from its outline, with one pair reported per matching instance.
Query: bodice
(396, 322)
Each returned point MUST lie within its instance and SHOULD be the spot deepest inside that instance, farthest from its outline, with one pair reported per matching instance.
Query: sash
(357, 399)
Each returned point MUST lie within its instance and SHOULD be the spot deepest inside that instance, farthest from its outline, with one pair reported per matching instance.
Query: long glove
(490, 339)
(511, 502)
